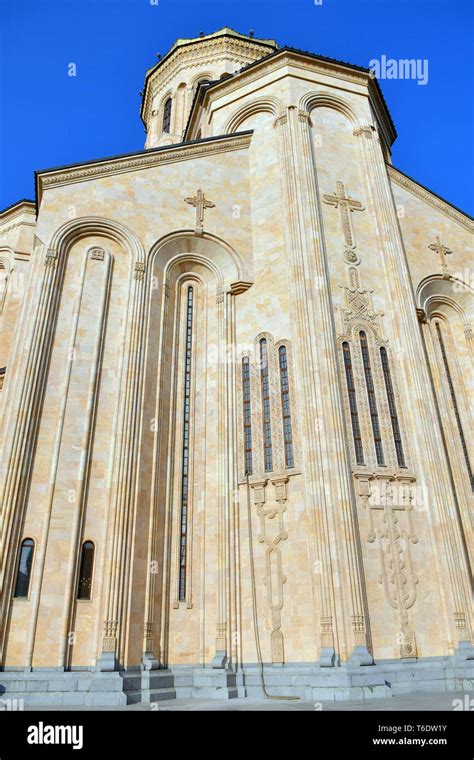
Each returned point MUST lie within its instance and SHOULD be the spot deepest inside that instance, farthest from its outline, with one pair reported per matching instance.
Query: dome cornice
(201, 51)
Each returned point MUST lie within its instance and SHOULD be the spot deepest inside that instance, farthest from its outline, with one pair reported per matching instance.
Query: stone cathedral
(236, 368)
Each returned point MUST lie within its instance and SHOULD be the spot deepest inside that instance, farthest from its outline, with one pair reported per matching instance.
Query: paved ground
(413, 702)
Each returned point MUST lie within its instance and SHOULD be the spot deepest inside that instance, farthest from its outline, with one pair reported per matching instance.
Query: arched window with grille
(183, 540)
(167, 115)
(25, 564)
(374, 416)
(86, 568)
(285, 406)
(247, 415)
(266, 408)
(397, 438)
(351, 392)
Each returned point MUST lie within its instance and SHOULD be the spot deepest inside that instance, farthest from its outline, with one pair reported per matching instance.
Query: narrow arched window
(285, 406)
(455, 404)
(167, 115)
(267, 426)
(247, 415)
(351, 392)
(183, 540)
(374, 416)
(397, 439)
(84, 588)
(25, 564)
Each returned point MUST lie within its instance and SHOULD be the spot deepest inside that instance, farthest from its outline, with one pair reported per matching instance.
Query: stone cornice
(145, 159)
(9, 227)
(434, 200)
(16, 209)
(17, 216)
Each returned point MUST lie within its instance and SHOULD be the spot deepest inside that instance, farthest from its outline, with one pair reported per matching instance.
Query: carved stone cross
(200, 203)
(346, 205)
(442, 251)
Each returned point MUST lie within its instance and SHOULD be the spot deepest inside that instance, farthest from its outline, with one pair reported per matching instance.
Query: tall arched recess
(188, 436)
(446, 315)
(61, 469)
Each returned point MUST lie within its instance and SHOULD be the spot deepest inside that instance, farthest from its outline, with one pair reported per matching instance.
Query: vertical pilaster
(121, 520)
(225, 478)
(328, 475)
(151, 658)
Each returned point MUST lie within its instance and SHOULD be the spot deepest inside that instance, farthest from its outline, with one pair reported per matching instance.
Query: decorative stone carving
(280, 120)
(272, 532)
(304, 117)
(461, 625)
(467, 330)
(421, 316)
(351, 257)
(139, 271)
(386, 499)
(358, 305)
(358, 628)
(149, 635)
(50, 258)
(97, 254)
(221, 633)
(346, 205)
(110, 636)
(200, 202)
(365, 131)
(327, 635)
(442, 252)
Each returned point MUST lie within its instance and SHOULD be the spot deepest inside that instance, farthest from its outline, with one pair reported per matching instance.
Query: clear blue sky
(49, 118)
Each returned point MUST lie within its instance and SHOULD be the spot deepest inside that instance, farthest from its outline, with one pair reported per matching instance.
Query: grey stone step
(160, 681)
(156, 695)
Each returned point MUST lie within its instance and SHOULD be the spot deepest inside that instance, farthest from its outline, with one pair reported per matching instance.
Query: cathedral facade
(235, 373)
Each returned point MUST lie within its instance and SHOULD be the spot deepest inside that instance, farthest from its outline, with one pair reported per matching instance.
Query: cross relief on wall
(442, 252)
(200, 203)
(346, 205)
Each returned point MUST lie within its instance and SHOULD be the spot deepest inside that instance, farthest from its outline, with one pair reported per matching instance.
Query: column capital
(50, 258)
(280, 120)
(367, 131)
(421, 316)
(305, 118)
